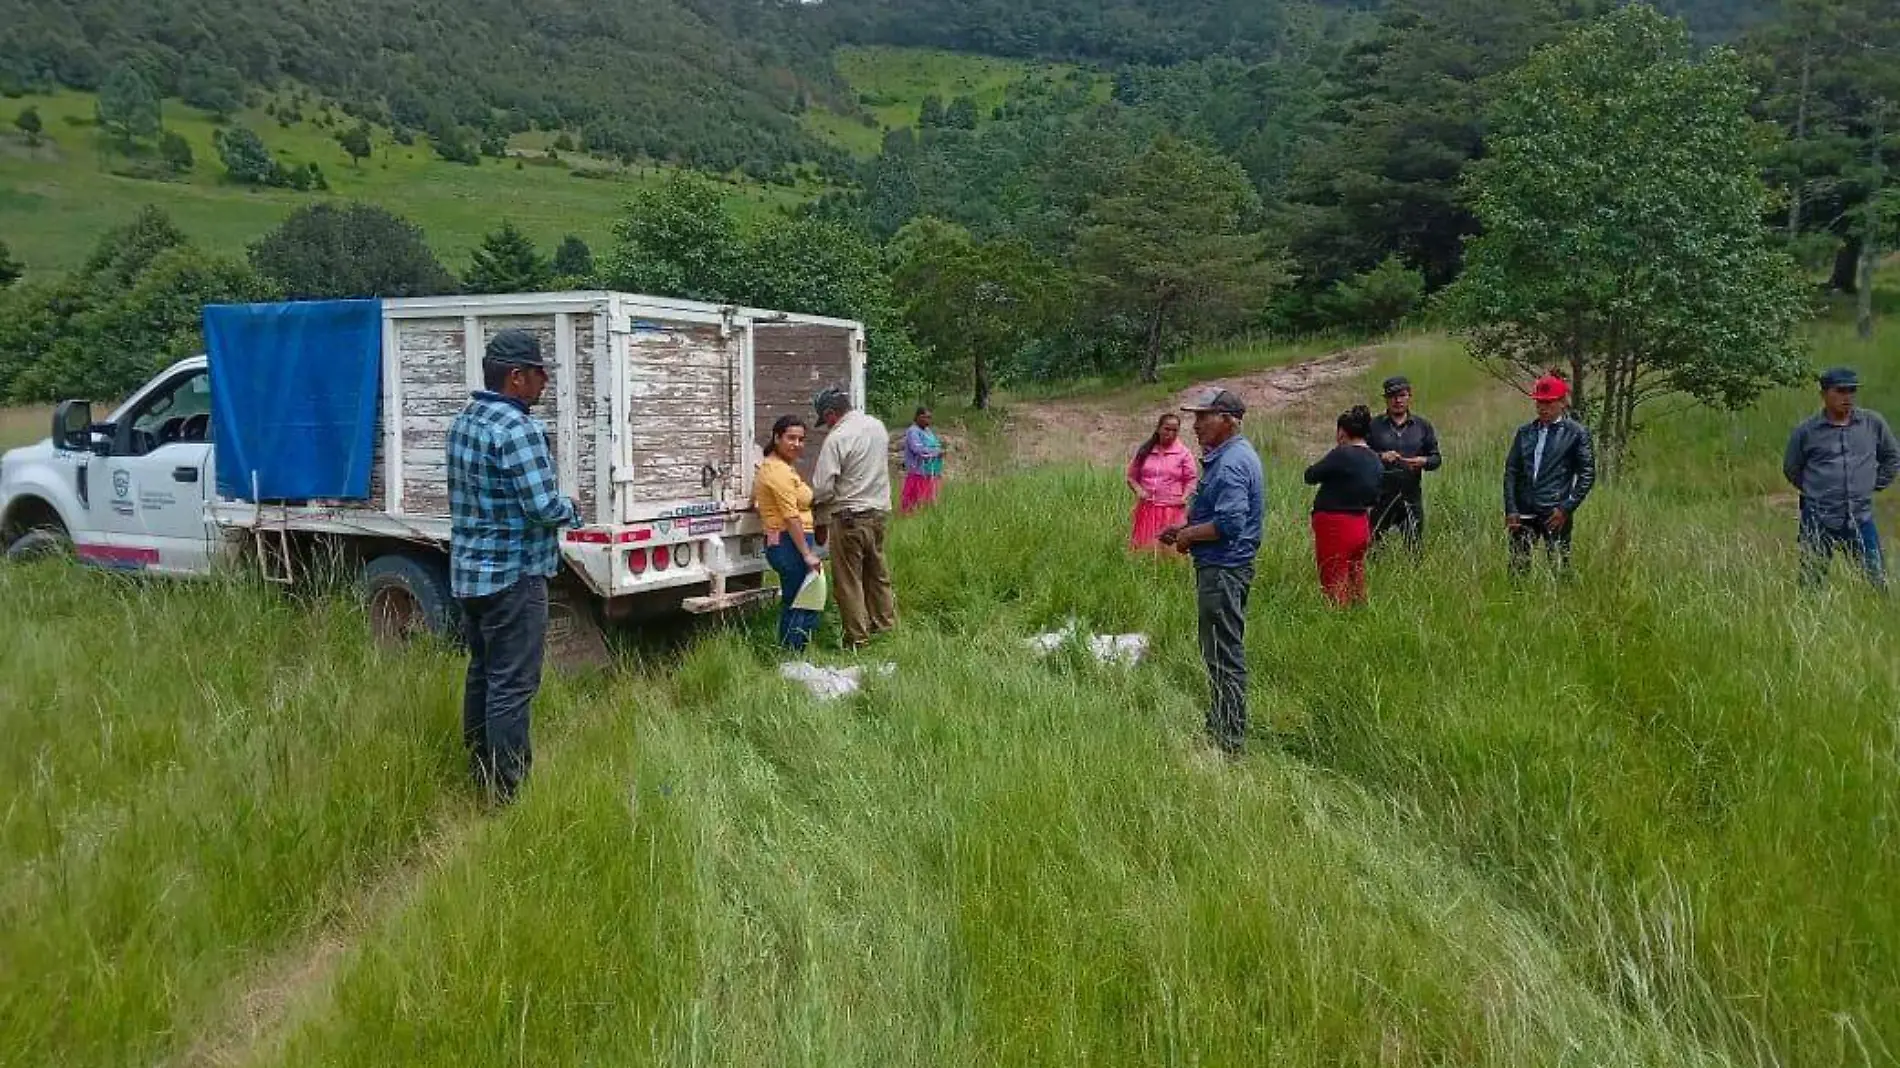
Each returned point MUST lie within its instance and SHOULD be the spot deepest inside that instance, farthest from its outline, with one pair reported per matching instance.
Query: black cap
(831, 399)
(515, 348)
(1840, 378)
(1397, 384)
(1223, 401)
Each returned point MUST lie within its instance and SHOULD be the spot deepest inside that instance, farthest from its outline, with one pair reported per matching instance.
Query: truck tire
(407, 594)
(40, 543)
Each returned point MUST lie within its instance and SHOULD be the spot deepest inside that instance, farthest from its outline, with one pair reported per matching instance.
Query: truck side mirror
(71, 421)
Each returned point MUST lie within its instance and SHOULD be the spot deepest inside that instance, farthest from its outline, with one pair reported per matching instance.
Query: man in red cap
(1547, 474)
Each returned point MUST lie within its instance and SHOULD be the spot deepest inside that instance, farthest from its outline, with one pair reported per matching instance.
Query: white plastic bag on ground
(1125, 650)
(829, 684)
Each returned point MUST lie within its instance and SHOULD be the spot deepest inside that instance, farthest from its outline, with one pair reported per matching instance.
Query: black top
(1415, 439)
(1348, 479)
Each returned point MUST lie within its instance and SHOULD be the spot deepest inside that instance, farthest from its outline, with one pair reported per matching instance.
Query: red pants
(1340, 540)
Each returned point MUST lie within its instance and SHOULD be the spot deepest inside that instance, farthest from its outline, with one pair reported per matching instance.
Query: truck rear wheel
(407, 595)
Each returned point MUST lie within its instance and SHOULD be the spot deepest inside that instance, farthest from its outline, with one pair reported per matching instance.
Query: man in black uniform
(1408, 446)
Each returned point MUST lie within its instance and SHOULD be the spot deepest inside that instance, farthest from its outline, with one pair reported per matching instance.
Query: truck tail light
(661, 557)
(637, 561)
(683, 555)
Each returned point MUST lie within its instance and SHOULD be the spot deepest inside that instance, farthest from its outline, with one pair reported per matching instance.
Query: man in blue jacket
(1838, 460)
(1223, 535)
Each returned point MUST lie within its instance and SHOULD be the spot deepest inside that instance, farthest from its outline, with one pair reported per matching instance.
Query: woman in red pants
(1348, 478)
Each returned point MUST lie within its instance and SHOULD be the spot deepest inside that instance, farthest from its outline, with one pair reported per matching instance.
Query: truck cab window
(179, 412)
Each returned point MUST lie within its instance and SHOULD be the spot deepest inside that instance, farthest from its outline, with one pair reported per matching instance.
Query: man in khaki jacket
(851, 489)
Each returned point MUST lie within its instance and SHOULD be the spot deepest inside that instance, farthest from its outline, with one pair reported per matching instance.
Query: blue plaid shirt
(505, 505)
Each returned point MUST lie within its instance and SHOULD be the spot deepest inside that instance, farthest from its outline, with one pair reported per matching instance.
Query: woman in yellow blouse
(783, 500)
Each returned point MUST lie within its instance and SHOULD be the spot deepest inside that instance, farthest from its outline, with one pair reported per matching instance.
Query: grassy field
(893, 82)
(1646, 817)
(57, 198)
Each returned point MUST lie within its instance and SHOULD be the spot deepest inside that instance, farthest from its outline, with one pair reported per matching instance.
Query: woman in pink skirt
(923, 463)
(1162, 474)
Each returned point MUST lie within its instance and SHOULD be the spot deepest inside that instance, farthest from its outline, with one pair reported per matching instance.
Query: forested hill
(1167, 31)
(711, 83)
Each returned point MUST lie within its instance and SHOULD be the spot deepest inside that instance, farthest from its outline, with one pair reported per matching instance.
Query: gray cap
(1224, 401)
(515, 348)
(1840, 378)
(1397, 384)
(831, 399)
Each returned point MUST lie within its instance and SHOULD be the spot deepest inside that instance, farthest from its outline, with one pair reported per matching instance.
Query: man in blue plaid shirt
(506, 514)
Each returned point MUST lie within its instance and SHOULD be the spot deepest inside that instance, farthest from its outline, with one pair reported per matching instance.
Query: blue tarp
(294, 389)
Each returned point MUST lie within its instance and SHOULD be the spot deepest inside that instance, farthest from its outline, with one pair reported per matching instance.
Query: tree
(128, 106)
(961, 115)
(930, 115)
(356, 142)
(10, 269)
(506, 263)
(678, 241)
(176, 152)
(28, 122)
(1622, 236)
(973, 303)
(574, 260)
(1172, 244)
(327, 251)
(245, 158)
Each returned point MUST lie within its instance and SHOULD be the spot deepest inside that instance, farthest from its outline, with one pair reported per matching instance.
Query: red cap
(1550, 388)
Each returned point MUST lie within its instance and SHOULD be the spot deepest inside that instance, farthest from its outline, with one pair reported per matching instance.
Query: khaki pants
(860, 580)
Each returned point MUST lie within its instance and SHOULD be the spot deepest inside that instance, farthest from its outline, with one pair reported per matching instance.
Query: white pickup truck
(655, 410)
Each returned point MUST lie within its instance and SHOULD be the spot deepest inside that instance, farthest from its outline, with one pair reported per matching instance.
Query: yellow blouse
(778, 493)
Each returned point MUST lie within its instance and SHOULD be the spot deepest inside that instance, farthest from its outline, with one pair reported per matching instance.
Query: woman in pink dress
(1162, 474)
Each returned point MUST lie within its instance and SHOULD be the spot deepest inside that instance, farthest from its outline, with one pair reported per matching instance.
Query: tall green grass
(1646, 816)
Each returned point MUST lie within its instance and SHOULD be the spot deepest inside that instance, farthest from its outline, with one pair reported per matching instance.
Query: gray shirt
(1838, 469)
(854, 469)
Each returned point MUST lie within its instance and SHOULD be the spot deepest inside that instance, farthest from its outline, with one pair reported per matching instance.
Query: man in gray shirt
(851, 489)
(1838, 460)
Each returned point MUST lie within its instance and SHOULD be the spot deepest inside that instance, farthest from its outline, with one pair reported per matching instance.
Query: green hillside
(57, 198)
(890, 85)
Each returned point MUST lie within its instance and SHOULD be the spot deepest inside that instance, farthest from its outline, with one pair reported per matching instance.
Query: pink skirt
(1151, 519)
(919, 491)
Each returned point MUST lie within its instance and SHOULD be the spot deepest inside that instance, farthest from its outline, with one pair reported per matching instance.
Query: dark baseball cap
(1397, 384)
(831, 399)
(1840, 378)
(515, 348)
(1223, 401)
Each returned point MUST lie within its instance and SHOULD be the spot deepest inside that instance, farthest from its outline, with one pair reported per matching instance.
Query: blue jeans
(1858, 540)
(506, 634)
(795, 625)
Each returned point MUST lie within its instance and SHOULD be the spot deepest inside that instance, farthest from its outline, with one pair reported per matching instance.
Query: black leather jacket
(1564, 476)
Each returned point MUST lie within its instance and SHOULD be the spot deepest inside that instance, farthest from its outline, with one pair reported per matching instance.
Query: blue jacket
(1233, 497)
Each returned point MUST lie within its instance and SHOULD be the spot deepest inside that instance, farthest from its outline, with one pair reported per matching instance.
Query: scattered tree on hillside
(574, 260)
(127, 108)
(28, 122)
(356, 142)
(10, 269)
(1622, 237)
(330, 251)
(973, 303)
(930, 115)
(245, 158)
(678, 241)
(507, 262)
(1172, 244)
(961, 115)
(176, 152)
